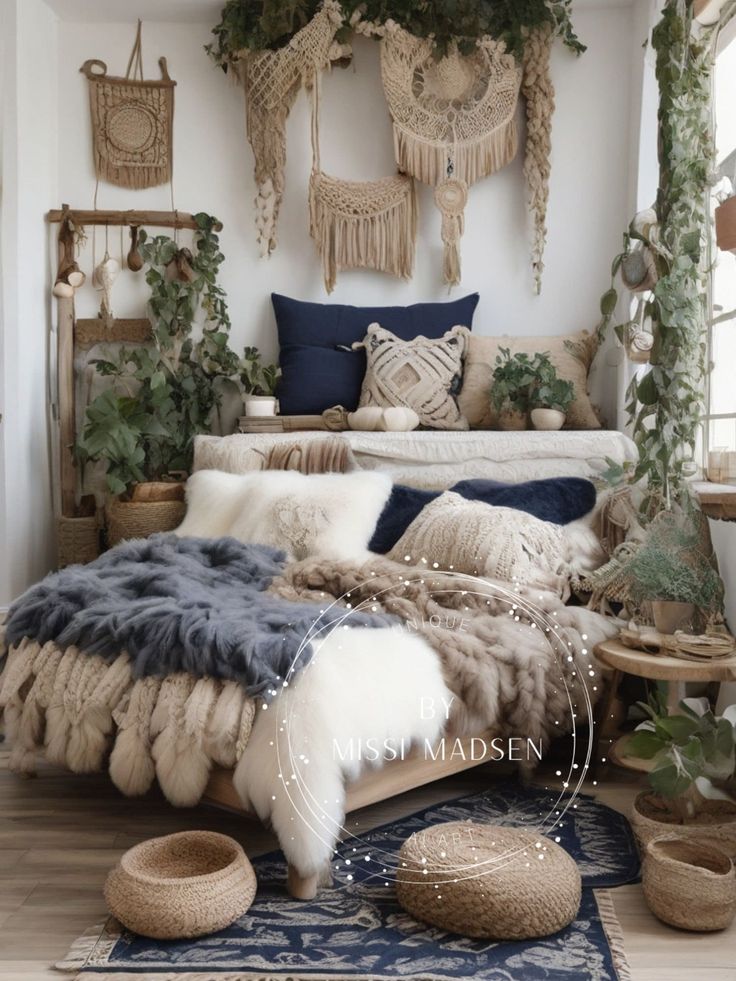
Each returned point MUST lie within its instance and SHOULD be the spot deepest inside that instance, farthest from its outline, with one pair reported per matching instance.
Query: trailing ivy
(259, 24)
(665, 405)
(164, 394)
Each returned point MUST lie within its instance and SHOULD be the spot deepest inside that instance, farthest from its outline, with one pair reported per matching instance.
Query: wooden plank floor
(60, 834)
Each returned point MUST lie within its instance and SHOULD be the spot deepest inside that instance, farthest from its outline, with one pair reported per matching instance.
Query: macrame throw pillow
(571, 354)
(422, 375)
(479, 539)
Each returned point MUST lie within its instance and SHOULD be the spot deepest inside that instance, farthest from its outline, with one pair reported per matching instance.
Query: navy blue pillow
(318, 367)
(556, 499)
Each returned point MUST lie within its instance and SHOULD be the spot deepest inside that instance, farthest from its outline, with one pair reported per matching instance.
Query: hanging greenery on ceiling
(665, 405)
(261, 24)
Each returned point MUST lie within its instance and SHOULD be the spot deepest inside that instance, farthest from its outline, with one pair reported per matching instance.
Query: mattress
(436, 460)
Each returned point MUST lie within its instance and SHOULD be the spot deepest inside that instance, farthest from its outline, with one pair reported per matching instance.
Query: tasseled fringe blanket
(77, 707)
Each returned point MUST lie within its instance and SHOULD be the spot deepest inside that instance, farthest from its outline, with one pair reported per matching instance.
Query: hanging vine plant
(665, 405)
(262, 24)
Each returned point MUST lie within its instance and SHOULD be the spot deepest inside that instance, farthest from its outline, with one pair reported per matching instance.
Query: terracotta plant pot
(689, 884)
(260, 405)
(726, 225)
(670, 616)
(547, 419)
(512, 421)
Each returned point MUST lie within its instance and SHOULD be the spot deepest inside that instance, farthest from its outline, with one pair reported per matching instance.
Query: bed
(195, 730)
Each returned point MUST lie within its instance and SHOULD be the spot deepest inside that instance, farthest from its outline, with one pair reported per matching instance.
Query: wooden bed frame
(393, 778)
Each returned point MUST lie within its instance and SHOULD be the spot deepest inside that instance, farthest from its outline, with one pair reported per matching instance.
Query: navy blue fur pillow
(319, 369)
(556, 499)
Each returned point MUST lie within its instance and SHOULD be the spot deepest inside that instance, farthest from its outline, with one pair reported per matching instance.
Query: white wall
(29, 175)
(213, 172)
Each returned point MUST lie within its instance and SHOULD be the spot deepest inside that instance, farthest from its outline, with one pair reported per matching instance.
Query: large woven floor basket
(488, 881)
(78, 540)
(183, 885)
(139, 519)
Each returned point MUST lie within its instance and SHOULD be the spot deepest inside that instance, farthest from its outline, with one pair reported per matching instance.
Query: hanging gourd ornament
(103, 279)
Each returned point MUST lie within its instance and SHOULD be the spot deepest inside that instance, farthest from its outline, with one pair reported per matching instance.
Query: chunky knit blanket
(178, 604)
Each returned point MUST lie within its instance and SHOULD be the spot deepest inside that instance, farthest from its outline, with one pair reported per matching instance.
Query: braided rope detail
(539, 93)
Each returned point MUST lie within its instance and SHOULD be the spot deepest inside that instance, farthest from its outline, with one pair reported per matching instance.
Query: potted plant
(259, 384)
(161, 395)
(673, 573)
(692, 756)
(550, 396)
(512, 378)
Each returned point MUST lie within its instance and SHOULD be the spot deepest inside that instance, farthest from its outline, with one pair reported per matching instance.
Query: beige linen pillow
(422, 374)
(571, 354)
(484, 540)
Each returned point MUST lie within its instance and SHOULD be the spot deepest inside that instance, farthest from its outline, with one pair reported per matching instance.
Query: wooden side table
(628, 660)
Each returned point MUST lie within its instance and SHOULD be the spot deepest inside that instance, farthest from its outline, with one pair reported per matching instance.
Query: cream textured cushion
(497, 542)
(571, 354)
(327, 515)
(421, 374)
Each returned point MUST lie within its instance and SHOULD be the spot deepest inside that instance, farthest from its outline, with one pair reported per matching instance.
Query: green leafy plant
(257, 379)
(665, 403)
(259, 24)
(522, 381)
(548, 391)
(693, 752)
(671, 565)
(163, 394)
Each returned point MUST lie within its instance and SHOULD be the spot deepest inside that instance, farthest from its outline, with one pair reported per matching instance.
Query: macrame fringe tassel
(382, 240)
(75, 709)
(471, 161)
(452, 230)
(133, 176)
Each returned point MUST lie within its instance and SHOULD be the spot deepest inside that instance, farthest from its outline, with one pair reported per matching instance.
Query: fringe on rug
(614, 933)
(75, 709)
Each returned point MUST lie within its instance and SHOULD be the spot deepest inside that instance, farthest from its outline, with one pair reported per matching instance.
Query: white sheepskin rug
(361, 685)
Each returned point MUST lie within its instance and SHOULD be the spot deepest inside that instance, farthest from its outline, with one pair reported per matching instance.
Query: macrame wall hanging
(132, 122)
(272, 80)
(454, 120)
(360, 224)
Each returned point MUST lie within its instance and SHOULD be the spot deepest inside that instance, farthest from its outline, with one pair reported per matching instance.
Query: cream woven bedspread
(434, 459)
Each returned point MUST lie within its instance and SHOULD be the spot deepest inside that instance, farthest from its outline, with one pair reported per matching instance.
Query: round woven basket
(488, 882)
(139, 519)
(717, 823)
(689, 884)
(183, 885)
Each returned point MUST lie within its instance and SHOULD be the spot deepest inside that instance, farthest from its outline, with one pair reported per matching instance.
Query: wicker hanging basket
(78, 540)
(139, 519)
(689, 884)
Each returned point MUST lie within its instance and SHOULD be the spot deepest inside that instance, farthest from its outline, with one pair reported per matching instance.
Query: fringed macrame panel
(453, 120)
(83, 712)
(363, 224)
(539, 93)
(132, 122)
(272, 80)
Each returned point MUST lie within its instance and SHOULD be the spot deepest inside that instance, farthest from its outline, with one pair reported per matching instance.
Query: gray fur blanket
(180, 604)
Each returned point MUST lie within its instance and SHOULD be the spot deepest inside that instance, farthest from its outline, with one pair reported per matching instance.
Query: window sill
(716, 500)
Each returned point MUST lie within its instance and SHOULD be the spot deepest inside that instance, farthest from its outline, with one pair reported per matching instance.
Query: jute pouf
(489, 882)
(689, 883)
(182, 885)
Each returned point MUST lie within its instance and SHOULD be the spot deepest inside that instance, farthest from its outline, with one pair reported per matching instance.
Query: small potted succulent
(692, 757)
(512, 379)
(259, 384)
(550, 396)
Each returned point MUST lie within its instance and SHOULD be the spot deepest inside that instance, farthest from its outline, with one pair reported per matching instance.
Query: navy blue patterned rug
(356, 930)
